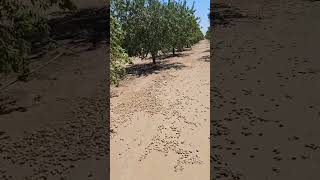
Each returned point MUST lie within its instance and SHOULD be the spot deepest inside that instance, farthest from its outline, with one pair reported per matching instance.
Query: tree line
(150, 27)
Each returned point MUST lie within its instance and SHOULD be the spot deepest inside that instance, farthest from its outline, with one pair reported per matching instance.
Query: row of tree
(150, 27)
(209, 31)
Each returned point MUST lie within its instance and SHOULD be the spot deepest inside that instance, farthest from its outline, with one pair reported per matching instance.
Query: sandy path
(266, 91)
(160, 121)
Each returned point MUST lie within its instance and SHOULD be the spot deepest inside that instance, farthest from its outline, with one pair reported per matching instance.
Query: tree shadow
(207, 50)
(147, 69)
(186, 49)
(205, 58)
(167, 56)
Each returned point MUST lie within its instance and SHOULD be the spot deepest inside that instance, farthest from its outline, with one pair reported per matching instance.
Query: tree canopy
(154, 26)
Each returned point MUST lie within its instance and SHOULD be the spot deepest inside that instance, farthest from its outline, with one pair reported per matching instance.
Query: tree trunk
(173, 51)
(154, 59)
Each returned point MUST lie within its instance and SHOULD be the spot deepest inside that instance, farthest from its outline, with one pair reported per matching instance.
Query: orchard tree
(118, 56)
(171, 25)
(189, 31)
(155, 32)
(152, 26)
(149, 27)
(208, 33)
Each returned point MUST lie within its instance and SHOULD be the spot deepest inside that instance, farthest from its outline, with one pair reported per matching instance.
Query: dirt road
(265, 92)
(160, 119)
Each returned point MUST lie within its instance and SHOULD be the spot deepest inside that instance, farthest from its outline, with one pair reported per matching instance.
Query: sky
(202, 10)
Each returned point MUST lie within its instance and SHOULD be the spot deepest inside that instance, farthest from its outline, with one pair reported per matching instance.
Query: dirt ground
(55, 126)
(265, 90)
(160, 119)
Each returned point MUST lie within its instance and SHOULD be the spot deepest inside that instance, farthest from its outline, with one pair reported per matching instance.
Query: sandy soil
(160, 119)
(265, 90)
(55, 126)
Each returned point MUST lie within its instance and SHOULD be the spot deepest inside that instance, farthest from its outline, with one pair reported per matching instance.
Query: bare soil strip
(160, 119)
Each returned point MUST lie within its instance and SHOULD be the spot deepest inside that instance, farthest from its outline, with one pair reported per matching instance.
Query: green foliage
(208, 33)
(152, 26)
(118, 57)
(21, 25)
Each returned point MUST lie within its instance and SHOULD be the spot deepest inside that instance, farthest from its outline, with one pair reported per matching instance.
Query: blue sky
(202, 10)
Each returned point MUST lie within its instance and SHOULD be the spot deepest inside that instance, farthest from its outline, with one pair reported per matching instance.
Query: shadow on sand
(205, 58)
(167, 56)
(147, 69)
